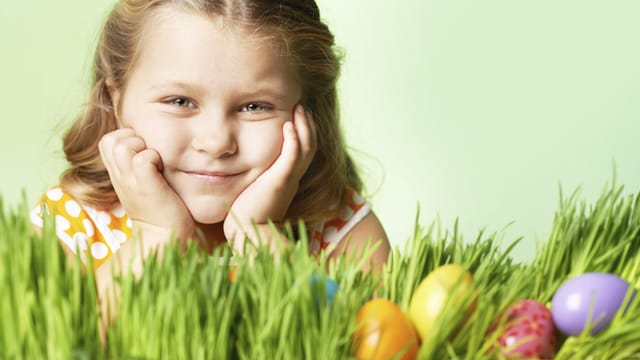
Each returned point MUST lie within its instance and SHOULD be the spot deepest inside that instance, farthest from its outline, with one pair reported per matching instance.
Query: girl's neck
(213, 236)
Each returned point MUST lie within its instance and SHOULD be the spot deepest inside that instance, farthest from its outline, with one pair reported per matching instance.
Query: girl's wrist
(147, 239)
(160, 235)
(268, 234)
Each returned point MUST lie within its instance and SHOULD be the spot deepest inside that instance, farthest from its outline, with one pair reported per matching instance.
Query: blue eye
(252, 107)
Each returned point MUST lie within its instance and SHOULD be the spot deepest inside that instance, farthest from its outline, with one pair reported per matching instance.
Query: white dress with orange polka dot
(101, 232)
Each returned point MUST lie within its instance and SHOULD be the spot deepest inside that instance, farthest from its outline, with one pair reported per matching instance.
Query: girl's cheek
(160, 137)
(263, 143)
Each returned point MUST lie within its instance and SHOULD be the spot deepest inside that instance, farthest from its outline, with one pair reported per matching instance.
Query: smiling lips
(212, 177)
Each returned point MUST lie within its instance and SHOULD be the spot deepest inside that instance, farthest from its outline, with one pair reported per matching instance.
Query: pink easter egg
(529, 331)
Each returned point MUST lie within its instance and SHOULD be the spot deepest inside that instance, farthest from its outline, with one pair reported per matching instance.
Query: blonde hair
(306, 42)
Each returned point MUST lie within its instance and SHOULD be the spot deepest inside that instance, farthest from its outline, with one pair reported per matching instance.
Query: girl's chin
(208, 217)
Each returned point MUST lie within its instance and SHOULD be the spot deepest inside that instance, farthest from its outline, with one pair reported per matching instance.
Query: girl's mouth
(212, 177)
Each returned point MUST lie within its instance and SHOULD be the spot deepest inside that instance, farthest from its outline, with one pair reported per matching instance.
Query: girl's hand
(270, 195)
(145, 195)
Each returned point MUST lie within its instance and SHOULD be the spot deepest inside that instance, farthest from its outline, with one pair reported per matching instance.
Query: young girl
(205, 118)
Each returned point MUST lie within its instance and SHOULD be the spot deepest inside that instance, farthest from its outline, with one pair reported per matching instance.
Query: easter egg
(529, 331)
(592, 298)
(383, 331)
(447, 283)
(233, 269)
(323, 285)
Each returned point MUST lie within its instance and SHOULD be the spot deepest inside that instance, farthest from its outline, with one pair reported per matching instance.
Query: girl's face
(212, 100)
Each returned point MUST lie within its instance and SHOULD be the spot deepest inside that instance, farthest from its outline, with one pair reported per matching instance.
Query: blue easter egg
(330, 288)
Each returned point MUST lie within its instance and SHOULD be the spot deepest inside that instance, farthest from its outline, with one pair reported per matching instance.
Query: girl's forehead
(268, 38)
(200, 48)
(171, 28)
(244, 31)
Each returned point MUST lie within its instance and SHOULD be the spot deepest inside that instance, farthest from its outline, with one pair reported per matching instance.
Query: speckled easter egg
(592, 298)
(529, 331)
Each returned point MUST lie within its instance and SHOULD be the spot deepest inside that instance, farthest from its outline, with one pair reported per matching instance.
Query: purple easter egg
(592, 298)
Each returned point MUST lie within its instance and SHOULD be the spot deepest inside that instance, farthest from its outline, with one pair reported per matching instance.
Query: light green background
(473, 109)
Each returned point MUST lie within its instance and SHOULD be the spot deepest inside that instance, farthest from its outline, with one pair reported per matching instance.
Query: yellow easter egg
(447, 283)
(384, 332)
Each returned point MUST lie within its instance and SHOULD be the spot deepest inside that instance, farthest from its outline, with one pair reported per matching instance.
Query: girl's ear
(114, 94)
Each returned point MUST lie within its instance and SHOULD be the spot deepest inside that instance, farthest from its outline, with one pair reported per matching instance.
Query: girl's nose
(215, 137)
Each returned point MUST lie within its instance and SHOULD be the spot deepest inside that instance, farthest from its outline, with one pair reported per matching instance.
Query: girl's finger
(289, 154)
(109, 142)
(124, 151)
(306, 131)
(146, 167)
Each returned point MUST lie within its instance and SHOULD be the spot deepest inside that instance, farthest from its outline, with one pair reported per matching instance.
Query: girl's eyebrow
(175, 85)
(261, 92)
(265, 93)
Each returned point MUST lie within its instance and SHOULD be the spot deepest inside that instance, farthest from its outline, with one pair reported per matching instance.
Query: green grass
(185, 307)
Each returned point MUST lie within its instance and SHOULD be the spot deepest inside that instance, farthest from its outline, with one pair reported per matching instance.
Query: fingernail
(299, 108)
